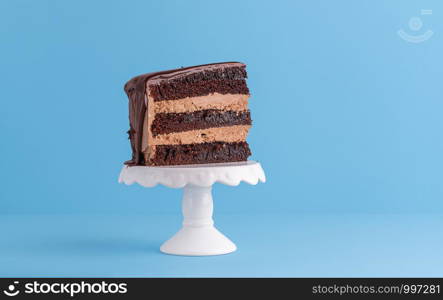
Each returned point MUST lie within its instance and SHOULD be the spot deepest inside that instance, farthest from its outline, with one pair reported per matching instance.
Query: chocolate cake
(190, 115)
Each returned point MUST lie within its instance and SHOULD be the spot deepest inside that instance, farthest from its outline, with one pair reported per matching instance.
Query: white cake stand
(198, 236)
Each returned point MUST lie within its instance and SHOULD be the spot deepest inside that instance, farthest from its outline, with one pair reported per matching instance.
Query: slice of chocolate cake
(191, 115)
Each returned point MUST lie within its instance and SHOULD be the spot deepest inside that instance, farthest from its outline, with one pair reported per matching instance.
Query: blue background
(347, 125)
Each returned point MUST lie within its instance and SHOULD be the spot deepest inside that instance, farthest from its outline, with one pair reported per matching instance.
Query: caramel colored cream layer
(235, 102)
(228, 134)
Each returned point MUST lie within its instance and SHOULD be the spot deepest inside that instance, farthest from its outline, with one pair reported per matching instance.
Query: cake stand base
(198, 236)
(198, 242)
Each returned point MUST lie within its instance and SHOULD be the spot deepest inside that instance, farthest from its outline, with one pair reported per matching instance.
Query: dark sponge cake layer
(202, 119)
(228, 80)
(180, 90)
(215, 152)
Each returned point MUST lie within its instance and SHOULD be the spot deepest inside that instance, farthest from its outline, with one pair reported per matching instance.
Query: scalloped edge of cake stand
(231, 174)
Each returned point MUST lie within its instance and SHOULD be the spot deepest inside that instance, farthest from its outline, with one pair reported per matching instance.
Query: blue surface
(347, 121)
(367, 245)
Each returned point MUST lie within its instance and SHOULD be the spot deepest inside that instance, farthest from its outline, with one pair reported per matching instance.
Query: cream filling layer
(229, 134)
(235, 102)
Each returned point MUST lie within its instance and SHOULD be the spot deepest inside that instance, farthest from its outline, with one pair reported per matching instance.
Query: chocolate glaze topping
(136, 92)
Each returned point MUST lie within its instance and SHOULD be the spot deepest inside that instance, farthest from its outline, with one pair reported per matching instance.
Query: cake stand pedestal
(198, 236)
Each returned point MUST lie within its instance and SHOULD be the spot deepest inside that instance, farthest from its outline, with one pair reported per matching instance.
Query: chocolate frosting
(136, 91)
